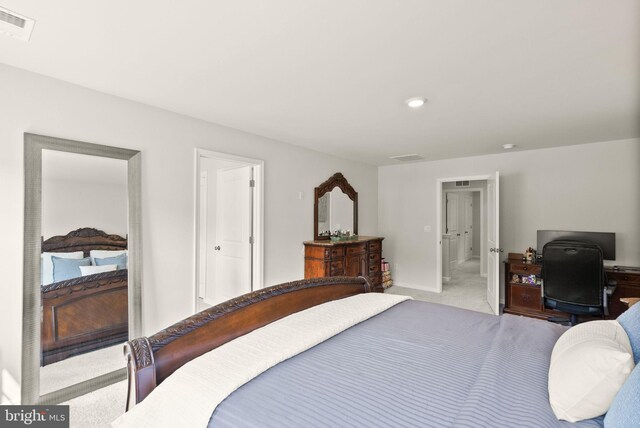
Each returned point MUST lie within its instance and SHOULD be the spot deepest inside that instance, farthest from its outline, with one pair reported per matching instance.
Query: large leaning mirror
(335, 208)
(81, 266)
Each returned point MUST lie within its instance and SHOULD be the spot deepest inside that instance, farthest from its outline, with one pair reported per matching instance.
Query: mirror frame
(31, 302)
(336, 180)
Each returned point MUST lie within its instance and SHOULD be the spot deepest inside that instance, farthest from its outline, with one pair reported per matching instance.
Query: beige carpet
(99, 408)
(80, 368)
(466, 289)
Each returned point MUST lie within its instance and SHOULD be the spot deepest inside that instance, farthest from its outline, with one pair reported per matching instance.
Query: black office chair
(574, 280)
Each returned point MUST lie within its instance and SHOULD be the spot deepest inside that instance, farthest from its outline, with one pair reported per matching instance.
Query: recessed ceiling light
(416, 102)
(508, 146)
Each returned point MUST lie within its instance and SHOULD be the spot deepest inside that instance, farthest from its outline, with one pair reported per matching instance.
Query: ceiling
(333, 75)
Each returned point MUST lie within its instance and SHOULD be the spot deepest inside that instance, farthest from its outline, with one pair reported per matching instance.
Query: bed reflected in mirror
(84, 272)
(81, 266)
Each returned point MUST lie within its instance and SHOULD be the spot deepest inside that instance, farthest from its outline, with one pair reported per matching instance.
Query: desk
(526, 299)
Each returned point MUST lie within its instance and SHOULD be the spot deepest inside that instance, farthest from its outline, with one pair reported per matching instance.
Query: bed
(410, 364)
(85, 313)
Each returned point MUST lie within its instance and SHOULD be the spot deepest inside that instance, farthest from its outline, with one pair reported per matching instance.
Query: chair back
(573, 272)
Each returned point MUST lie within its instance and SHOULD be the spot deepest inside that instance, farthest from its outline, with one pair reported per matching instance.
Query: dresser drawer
(334, 253)
(375, 246)
(356, 249)
(374, 268)
(525, 269)
(374, 258)
(624, 278)
(336, 264)
(523, 296)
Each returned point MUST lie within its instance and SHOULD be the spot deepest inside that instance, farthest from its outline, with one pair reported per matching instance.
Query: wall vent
(15, 25)
(464, 183)
(407, 158)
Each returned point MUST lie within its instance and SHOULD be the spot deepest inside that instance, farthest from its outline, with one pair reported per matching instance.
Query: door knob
(217, 248)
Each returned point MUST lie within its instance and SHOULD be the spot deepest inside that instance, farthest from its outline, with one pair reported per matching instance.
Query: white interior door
(233, 233)
(452, 214)
(202, 235)
(468, 226)
(493, 243)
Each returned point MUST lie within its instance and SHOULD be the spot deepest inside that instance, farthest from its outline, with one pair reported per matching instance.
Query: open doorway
(468, 271)
(228, 227)
(464, 270)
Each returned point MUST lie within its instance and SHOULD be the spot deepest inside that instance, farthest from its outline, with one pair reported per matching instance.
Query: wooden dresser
(360, 257)
(526, 299)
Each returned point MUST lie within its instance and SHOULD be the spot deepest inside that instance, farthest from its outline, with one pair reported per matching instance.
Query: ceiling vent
(407, 158)
(15, 25)
(464, 183)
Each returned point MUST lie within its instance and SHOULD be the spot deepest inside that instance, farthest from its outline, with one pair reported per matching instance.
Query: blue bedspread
(416, 365)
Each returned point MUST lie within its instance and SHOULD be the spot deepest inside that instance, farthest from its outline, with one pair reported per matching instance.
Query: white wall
(70, 205)
(341, 208)
(83, 191)
(591, 187)
(37, 104)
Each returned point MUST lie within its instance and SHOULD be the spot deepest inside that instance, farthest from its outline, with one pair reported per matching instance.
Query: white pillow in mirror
(103, 254)
(589, 364)
(46, 265)
(90, 270)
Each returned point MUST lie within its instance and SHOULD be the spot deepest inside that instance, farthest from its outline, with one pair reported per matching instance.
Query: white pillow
(589, 364)
(46, 265)
(90, 270)
(103, 254)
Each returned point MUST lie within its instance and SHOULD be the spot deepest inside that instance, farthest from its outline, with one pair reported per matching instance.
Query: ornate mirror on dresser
(81, 291)
(337, 249)
(335, 208)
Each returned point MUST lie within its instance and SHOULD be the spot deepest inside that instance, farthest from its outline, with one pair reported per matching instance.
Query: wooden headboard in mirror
(335, 207)
(84, 239)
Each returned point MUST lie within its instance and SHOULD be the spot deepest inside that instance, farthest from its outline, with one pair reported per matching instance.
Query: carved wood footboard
(84, 314)
(151, 360)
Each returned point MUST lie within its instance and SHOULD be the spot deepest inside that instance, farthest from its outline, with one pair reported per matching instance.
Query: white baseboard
(414, 287)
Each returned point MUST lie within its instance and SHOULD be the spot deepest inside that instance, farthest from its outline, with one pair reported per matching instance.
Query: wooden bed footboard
(84, 314)
(151, 360)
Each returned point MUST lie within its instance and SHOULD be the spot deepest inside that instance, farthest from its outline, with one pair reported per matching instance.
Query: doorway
(228, 227)
(467, 261)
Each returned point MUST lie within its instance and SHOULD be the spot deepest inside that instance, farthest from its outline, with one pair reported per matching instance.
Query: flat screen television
(606, 240)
